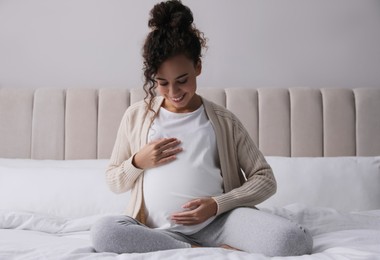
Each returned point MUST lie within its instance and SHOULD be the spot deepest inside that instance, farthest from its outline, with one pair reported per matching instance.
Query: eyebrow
(180, 76)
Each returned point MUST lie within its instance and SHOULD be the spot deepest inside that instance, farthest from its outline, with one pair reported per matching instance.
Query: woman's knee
(105, 231)
(293, 241)
(109, 223)
(269, 234)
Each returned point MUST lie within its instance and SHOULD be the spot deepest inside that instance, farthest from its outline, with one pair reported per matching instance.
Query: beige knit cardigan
(247, 177)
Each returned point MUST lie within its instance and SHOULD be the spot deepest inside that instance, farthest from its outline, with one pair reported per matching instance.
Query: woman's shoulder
(218, 110)
(137, 106)
(141, 107)
(138, 111)
(226, 118)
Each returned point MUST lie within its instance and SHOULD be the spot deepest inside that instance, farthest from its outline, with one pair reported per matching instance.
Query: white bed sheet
(337, 235)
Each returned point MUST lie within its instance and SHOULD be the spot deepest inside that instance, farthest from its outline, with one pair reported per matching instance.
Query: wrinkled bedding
(337, 235)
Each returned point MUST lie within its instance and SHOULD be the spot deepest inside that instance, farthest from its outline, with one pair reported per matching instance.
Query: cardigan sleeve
(260, 182)
(121, 174)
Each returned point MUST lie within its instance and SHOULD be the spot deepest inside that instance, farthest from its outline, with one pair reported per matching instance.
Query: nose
(173, 89)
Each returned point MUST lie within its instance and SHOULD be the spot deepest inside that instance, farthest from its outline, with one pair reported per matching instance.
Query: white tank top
(194, 174)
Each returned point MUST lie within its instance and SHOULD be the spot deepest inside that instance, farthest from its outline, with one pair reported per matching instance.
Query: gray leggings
(247, 229)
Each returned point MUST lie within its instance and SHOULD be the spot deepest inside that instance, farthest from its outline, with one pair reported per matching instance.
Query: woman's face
(176, 82)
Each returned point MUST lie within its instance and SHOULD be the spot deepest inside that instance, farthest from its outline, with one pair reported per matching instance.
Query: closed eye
(163, 83)
(182, 81)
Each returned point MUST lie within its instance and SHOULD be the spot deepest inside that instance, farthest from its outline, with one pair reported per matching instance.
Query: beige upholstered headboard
(82, 123)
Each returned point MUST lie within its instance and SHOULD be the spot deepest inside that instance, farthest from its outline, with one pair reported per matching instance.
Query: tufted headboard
(81, 123)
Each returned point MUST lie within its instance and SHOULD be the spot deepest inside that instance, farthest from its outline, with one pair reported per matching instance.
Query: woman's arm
(260, 183)
(121, 174)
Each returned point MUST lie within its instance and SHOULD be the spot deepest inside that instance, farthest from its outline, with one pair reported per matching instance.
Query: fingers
(168, 153)
(187, 218)
(190, 217)
(157, 153)
(192, 204)
(164, 160)
(167, 144)
(165, 150)
(199, 211)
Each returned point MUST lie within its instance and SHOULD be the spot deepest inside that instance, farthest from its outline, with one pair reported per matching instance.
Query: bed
(323, 146)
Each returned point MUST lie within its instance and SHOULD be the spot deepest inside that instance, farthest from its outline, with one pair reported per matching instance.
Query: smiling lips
(179, 99)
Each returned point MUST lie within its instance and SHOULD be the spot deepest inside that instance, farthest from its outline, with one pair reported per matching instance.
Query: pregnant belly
(167, 188)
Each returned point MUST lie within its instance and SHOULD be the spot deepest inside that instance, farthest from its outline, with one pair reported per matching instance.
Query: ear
(198, 68)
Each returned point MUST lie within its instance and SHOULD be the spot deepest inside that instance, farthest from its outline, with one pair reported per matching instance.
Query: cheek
(161, 90)
(191, 86)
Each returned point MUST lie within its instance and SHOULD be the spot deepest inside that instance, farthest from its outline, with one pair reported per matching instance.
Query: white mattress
(337, 235)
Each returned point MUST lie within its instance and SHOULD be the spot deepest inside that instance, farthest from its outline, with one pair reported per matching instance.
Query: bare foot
(229, 247)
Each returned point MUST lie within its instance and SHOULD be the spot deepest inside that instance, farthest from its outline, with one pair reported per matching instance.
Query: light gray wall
(252, 43)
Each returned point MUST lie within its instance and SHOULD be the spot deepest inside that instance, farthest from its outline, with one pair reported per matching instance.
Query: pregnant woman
(194, 173)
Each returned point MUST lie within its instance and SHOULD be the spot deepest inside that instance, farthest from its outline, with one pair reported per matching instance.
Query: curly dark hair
(173, 33)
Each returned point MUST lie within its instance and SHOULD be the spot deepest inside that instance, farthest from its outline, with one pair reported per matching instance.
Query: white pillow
(343, 183)
(70, 189)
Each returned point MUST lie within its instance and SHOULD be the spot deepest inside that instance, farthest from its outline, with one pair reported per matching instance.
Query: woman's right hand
(156, 153)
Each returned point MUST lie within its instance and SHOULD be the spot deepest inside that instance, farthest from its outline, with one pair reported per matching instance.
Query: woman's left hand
(199, 210)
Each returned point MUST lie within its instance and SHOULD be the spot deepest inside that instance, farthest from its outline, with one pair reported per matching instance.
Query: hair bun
(171, 14)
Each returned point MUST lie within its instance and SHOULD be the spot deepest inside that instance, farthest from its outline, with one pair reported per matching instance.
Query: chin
(182, 104)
